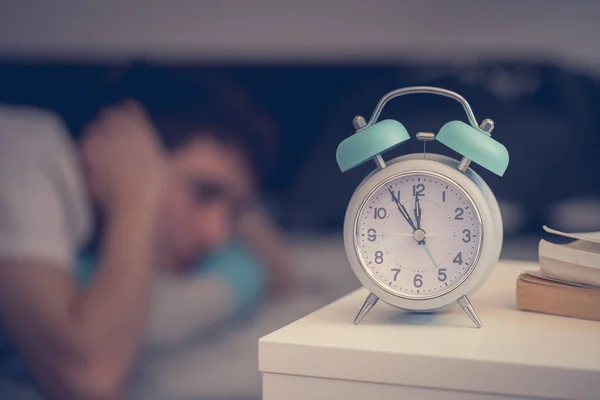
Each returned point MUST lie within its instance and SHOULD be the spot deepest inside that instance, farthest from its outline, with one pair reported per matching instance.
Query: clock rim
(480, 195)
(451, 182)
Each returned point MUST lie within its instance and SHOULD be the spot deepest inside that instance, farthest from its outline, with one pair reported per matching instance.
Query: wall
(309, 30)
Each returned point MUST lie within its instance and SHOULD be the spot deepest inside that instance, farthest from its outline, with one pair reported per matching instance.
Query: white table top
(515, 352)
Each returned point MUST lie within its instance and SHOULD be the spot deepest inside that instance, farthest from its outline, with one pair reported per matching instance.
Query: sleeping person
(158, 191)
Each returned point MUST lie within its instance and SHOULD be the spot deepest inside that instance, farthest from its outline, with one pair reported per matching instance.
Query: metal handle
(427, 90)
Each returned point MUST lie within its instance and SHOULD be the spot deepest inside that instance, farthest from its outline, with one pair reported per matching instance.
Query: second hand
(429, 254)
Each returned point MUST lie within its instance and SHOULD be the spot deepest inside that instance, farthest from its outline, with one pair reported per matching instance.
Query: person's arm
(81, 344)
(257, 229)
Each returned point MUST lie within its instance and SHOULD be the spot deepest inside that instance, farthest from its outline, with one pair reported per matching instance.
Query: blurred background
(533, 67)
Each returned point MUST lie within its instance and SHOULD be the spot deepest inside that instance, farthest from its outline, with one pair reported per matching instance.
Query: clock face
(418, 235)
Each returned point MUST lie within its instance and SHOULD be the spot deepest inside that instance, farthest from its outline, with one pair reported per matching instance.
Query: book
(540, 294)
(567, 282)
(578, 261)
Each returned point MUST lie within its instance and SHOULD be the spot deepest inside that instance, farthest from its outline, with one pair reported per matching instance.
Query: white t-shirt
(44, 211)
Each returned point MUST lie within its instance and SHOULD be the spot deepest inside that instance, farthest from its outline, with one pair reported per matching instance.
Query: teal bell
(370, 141)
(476, 145)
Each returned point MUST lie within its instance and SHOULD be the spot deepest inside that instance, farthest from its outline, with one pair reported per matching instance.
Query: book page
(538, 274)
(588, 247)
(587, 236)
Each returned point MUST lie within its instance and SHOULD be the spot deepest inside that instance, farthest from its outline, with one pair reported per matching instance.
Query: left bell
(370, 141)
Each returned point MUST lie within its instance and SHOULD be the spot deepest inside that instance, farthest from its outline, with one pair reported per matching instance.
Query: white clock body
(459, 239)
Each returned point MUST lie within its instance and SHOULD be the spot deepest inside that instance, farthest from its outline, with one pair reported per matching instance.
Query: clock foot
(366, 307)
(468, 308)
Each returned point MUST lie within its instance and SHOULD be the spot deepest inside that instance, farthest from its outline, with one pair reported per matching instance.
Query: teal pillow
(241, 270)
(234, 264)
(85, 265)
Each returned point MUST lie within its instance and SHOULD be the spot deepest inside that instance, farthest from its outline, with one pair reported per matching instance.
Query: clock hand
(402, 210)
(429, 254)
(417, 211)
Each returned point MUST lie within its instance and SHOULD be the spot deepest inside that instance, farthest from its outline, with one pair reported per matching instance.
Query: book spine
(556, 301)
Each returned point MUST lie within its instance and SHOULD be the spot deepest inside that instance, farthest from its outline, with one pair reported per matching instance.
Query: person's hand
(123, 158)
(257, 230)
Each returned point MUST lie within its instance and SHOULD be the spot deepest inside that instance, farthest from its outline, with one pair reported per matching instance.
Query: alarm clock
(423, 231)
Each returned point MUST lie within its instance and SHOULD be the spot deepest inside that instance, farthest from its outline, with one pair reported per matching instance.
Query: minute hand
(417, 211)
(402, 210)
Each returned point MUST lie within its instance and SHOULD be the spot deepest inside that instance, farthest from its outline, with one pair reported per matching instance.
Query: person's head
(216, 142)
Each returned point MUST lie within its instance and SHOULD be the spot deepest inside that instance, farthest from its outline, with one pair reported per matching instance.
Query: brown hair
(185, 103)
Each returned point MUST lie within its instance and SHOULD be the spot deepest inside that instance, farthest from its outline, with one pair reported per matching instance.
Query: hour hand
(402, 210)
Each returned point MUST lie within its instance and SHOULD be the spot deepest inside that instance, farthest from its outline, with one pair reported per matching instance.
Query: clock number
(379, 257)
(379, 213)
(371, 235)
(397, 271)
(444, 196)
(458, 259)
(418, 189)
(418, 280)
(467, 237)
(442, 274)
(459, 212)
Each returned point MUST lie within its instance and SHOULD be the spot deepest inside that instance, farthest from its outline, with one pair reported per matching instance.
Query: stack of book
(567, 282)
